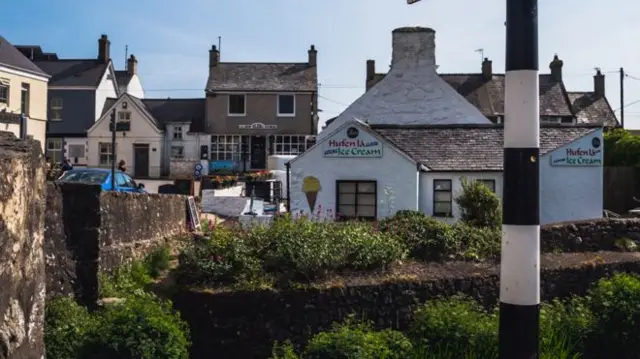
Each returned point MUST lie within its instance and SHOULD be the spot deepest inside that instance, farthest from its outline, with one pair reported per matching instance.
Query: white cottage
(371, 171)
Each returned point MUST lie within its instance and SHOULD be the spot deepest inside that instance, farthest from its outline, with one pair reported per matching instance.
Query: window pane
(347, 198)
(347, 187)
(366, 211)
(368, 187)
(442, 185)
(442, 208)
(442, 196)
(368, 199)
(347, 211)
(285, 104)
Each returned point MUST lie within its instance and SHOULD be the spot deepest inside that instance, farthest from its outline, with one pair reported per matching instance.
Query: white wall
(106, 89)
(570, 193)
(426, 188)
(190, 141)
(134, 87)
(393, 171)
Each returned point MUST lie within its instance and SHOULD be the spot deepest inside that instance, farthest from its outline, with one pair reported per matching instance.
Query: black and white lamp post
(520, 258)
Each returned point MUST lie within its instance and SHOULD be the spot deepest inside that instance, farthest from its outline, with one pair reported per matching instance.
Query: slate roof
(468, 147)
(11, 57)
(170, 110)
(589, 105)
(235, 76)
(123, 77)
(74, 72)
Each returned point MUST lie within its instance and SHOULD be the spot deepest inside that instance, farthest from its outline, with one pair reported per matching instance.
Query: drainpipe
(418, 168)
(288, 166)
(23, 126)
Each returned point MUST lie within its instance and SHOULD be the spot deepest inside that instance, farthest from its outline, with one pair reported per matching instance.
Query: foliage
(138, 328)
(621, 148)
(258, 176)
(479, 206)
(65, 329)
(283, 351)
(565, 324)
(158, 261)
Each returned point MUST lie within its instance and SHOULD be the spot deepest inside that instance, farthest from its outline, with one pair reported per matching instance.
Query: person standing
(122, 166)
(66, 165)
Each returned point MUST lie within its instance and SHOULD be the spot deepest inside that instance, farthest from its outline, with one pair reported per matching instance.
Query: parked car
(101, 176)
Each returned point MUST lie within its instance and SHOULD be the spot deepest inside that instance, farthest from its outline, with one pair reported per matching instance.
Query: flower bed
(255, 176)
(222, 181)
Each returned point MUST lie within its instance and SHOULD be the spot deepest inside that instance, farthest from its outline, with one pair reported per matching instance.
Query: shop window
(289, 145)
(491, 184)
(356, 200)
(227, 148)
(76, 151)
(442, 198)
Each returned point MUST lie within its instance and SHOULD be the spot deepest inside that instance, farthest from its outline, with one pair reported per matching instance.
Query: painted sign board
(351, 142)
(586, 152)
(220, 165)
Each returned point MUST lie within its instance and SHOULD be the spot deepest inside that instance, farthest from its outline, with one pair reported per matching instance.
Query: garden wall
(245, 324)
(89, 231)
(22, 271)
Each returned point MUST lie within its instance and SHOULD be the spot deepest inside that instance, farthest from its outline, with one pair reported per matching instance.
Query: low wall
(89, 231)
(22, 271)
(588, 236)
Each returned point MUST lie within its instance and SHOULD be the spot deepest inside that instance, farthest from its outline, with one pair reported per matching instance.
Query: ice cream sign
(352, 143)
(587, 152)
(310, 187)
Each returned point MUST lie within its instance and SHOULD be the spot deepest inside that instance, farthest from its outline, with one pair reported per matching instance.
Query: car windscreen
(95, 177)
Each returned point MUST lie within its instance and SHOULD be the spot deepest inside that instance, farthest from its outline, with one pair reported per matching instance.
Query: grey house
(257, 109)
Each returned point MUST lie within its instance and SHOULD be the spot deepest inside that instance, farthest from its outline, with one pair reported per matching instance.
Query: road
(152, 185)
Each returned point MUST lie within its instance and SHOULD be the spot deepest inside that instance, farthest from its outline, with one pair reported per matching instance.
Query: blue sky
(171, 39)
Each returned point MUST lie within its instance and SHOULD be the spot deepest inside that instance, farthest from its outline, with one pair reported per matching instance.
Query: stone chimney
(598, 83)
(313, 56)
(103, 49)
(214, 56)
(413, 47)
(371, 70)
(487, 69)
(556, 68)
(132, 65)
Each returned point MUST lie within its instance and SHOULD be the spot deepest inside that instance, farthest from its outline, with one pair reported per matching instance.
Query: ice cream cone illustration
(311, 187)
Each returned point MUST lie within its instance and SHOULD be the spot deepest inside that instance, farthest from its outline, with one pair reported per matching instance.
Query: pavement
(151, 185)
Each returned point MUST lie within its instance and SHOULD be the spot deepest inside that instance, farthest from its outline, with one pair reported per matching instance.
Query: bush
(158, 261)
(138, 328)
(126, 280)
(353, 340)
(65, 329)
(479, 206)
(457, 326)
(565, 326)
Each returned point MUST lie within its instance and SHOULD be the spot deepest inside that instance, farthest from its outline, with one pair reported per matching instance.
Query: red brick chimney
(103, 49)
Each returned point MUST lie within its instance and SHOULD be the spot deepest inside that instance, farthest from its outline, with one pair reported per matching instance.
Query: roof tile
(11, 57)
(231, 76)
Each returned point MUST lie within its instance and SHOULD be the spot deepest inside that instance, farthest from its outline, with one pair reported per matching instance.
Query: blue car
(102, 176)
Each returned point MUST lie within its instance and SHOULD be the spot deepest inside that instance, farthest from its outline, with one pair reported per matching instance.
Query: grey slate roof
(11, 57)
(170, 110)
(74, 72)
(123, 77)
(468, 147)
(589, 105)
(234, 76)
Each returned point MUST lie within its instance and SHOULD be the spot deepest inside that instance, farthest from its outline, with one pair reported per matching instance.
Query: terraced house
(77, 92)
(257, 109)
(23, 92)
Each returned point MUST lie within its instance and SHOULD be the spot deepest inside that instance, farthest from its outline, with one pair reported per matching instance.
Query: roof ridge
(264, 63)
(173, 98)
(60, 60)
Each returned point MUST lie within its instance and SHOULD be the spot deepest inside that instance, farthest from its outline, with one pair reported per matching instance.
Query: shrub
(469, 242)
(158, 261)
(138, 328)
(283, 351)
(565, 326)
(65, 329)
(615, 303)
(457, 326)
(125, 280)
(479, 206)
(353, 340)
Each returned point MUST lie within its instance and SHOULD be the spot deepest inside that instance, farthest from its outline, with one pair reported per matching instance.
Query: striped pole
(520, 263)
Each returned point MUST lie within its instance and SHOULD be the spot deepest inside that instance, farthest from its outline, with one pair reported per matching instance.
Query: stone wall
(89, 231)
(588, 236)
(22, 271)
(182, 168)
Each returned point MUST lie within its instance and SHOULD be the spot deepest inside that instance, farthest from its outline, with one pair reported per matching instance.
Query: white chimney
(413, 47)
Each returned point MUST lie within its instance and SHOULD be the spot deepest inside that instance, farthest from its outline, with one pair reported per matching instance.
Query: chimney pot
(132, 65)
(487, 69)
(214, 56)
(103, 49)
(413, 47)
(556, 68)
(313, 56)
(598, 83)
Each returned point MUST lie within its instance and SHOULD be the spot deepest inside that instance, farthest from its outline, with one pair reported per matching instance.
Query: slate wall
(89, 231)
(22, 271)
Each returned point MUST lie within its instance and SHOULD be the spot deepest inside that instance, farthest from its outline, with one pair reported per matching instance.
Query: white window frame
(124, 116)
(230, 146)
(108, 151)
(229, 113)
(177, 133)
(56, 109)
(283, 145)
(54, 149)
(180, 155)
(5, 83)
(293, 114)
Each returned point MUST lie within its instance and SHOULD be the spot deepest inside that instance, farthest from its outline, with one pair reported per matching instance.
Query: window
(286, 105)
(54, 149)
(76, 151)
(442, 198)
(491, 184)
(177, 152)
(25, 99)
(289, 145)
(106, 154)
(177, 133)
(120, 180)
(56, 109)
(124, 116)
(227, 148)
(237, 106)
(357, 199)
(4, 91)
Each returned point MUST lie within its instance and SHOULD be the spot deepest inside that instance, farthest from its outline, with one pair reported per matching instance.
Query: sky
(171, 39)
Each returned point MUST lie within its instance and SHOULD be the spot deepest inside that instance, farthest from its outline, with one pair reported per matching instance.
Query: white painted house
(128, 80)
(371, 171)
